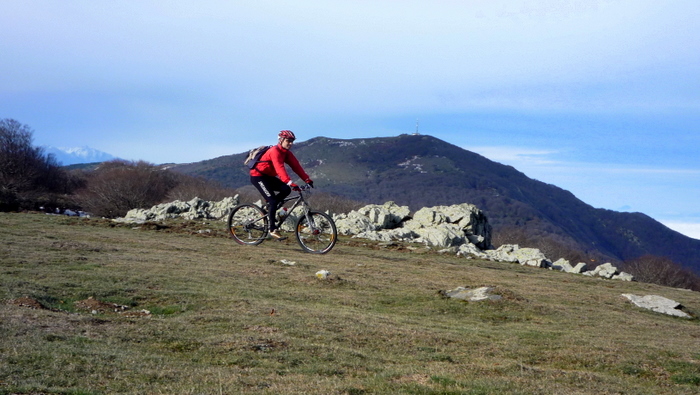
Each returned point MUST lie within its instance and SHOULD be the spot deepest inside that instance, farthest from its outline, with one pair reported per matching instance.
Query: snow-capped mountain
(75, 155)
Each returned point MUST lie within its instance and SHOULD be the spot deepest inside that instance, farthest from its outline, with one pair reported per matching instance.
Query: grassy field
(228, 319)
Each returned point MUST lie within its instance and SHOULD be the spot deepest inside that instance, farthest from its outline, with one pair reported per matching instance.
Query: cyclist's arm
(296, 166)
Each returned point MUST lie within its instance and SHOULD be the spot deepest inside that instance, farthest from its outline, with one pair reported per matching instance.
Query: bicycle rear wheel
(248, 224)
(316, 232)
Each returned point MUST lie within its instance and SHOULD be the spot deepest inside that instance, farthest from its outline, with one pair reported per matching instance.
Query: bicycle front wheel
(316, 232)
(248, 224)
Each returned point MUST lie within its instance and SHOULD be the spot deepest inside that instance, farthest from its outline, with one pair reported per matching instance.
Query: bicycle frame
(298, 199)
(315, 231)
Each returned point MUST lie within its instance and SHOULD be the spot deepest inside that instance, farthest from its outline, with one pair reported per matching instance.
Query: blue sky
(599, 97)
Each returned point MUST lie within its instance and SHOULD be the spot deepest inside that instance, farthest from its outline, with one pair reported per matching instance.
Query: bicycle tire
(317, 236)
(248, 224)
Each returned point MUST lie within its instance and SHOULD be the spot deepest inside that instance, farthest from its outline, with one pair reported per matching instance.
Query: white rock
(562, 265)
(658, 304)
(472, 295)
(322, 274)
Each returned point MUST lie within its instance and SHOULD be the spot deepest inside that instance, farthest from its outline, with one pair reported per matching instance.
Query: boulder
(441, 226)
(503, 253)
(222, 208)
(388, 235)
(447, 235)
(606, 270)
(623, 277)
(469, 219)
(658, 304)
(524, 256)
(471, 251)
(580, 267)
(194, 209)
(387, 216)
(371, 218)
(353, 223)
(471, 295)
(531, 257)
(562, 265)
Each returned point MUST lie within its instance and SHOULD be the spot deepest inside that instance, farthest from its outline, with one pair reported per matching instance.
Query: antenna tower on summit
(416, 127)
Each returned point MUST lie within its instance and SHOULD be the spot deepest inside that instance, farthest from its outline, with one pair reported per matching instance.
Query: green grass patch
(204, 315)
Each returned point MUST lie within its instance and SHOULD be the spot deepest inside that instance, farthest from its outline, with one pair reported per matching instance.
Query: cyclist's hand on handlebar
(309, 182)
(292, 185)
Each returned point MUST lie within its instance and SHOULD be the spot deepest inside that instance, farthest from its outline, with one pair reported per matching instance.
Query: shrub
(28, 177)
(119, 186)
(553, 246)
(662, 271)
(189, 187)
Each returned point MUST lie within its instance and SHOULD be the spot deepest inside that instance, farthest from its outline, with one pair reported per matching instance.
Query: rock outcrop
(372, 218)
(607, 270)
(194, 209)
(441, 226)
(461, 229)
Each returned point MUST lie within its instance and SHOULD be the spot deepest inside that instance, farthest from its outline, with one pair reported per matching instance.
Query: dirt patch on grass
(91, 305)
(262, 329)
(267, 345)
(95, 306)
(422, 379)
(27, 302)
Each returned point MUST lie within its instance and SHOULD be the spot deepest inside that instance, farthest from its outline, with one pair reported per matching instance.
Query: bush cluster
(116, 187)
(33, 180)
(29, 178)
(662, 271)
(647, 268)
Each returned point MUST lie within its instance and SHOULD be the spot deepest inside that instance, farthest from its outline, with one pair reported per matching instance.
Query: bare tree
(26, 173)
(17, 157)
(662, 271)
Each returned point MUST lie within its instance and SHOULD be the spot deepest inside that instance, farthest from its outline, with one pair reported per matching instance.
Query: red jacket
(272, 164)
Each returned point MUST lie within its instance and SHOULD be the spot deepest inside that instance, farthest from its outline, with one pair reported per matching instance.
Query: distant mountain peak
(76, 155)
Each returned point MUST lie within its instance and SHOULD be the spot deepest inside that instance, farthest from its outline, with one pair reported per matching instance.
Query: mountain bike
(248, 224)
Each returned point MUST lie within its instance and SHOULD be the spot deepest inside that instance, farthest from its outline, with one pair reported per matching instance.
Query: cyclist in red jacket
(270, 176)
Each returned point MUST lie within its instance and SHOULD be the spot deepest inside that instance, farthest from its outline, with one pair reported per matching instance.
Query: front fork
(312, 225)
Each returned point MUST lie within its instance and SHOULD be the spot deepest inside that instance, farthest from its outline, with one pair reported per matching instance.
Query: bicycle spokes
(316, 232)
(248, 224)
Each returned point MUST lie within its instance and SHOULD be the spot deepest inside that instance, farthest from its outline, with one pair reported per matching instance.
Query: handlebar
(304, 188)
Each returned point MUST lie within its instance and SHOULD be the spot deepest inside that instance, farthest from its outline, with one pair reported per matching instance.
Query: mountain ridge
(421, 170)
(78, 155)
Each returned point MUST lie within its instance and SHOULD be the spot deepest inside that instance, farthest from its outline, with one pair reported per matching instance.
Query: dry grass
(228, 319)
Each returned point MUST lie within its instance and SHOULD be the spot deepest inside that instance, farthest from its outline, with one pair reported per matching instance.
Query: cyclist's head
(287, 134)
